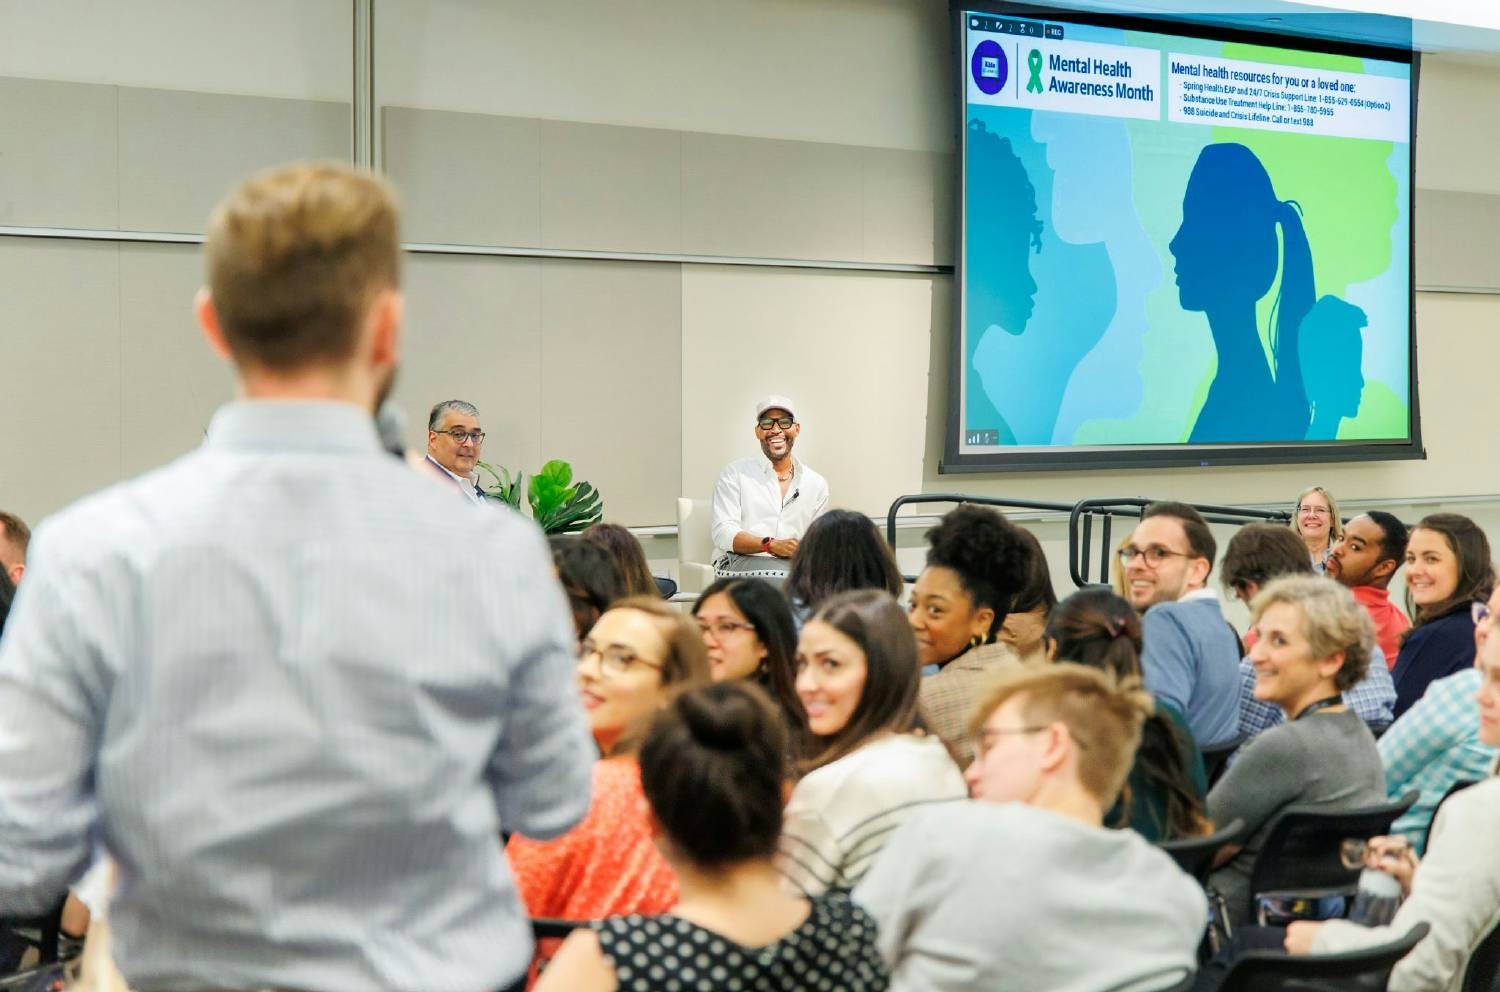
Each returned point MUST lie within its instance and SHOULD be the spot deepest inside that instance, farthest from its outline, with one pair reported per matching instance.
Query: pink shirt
(1390, 622)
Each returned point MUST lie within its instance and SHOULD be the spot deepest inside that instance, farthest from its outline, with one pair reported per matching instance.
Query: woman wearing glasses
(638, 655)
(1314, 642)
(1316, 519)
(748, 630)
(1447, 569)
(857, 678)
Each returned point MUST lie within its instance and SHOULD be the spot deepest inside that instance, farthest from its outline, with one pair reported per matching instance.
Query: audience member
(1190, 654)
(1257, 554)
(1447, 569)
(589, 576)
(1316, 520)
(1436, 744)
(712, 768)
(7, 593)
(1163, 798)
(453, 443)
(298, 690)
(639, 655)
(1365, 560)
(629, 556)
(1023, 888)
(1027, 619)
(15, 538)
(762, 506)
(857, 676)
(976, 561)
(748, 630)
(1314, 643)
(841, 551)
(1455, 889)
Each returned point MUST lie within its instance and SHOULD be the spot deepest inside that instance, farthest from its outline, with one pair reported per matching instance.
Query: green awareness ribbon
(1034, 63)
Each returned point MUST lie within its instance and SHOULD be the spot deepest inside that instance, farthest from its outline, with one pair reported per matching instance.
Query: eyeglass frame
(785, 423)
(614, 668)
(1480, 612)
(984, 739)
(1317, 511)
(723, 628)
(459, 435)
(1130, 552)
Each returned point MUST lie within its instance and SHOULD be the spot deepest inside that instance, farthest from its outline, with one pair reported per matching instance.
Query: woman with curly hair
(977, 561)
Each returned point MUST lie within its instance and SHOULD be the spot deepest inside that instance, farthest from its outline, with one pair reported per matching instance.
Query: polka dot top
(833, 949)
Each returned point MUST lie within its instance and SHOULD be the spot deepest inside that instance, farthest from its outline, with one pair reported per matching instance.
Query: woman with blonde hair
(1315, 518)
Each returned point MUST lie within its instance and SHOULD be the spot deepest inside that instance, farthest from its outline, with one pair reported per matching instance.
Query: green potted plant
(558, 504)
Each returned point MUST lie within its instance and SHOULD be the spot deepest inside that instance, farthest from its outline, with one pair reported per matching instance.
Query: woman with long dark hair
(873, 764)
(1163, 798)
(841, 551)
(629, 556)
(748, 630)
(1448, 569)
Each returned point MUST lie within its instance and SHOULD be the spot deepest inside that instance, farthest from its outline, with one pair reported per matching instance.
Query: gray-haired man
(453, 443)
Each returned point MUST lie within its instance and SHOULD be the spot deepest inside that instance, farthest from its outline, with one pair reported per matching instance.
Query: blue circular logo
(988, 67)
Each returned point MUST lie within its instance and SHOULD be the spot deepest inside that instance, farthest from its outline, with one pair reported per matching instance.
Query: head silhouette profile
(1226, 253)
(1003, 231)
(1331, 351)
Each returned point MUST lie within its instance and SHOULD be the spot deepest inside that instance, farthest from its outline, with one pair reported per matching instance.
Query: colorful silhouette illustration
(1226, 261)
(1331, 352)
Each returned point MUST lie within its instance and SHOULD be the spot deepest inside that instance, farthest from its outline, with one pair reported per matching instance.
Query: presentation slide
(1179, 245)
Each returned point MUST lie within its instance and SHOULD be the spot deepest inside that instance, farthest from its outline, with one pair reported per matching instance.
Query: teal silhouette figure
(1331, 352)
(1226, 261)
(1003, 231)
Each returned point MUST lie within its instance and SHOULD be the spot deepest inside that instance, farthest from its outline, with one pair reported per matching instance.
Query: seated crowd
(816, 778)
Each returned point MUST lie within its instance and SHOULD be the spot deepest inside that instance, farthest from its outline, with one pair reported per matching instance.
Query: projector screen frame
(1077, 458)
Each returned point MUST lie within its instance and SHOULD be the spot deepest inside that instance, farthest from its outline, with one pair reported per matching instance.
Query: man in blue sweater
(1190, 656)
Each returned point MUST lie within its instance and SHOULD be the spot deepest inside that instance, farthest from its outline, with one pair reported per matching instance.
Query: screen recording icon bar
(1023, 29)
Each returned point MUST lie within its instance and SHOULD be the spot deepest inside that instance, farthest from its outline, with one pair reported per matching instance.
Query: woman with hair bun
(1163, 798)
(977, 561)
(712, 768)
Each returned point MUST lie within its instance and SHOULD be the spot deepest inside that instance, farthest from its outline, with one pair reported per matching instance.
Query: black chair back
(1301, 852)
(44, 933)
(1195, 855)
(667, 587)
(543, 928)
(1483, 972)
(1365, 970)
(1214, 758)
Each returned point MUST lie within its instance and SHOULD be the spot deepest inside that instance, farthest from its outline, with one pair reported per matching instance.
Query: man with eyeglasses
(1190, 656)
(762, 506)
(453, 443)
(295, 690)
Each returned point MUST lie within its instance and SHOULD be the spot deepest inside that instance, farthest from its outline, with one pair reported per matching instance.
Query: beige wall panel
(172, 382)
(771, 199)
(850, 348)
(466, 179)
(60, 401)
(1457, 140)
(607, 188)
(181, 152)
(611, 406)
(1455, 238)
(1456, 366)
(908, 206)
(57, 154)
(472, 333)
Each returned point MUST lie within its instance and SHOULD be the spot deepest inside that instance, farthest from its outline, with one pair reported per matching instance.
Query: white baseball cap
(775, 402)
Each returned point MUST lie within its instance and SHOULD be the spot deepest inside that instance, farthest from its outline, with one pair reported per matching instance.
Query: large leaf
(583, 508)
(505, 488)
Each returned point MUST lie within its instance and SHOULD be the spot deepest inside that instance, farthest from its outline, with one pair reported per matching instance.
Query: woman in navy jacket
(1447, 570)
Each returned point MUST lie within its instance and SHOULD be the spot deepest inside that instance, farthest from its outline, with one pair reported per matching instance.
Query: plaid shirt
(1434, 746)
(1373, 698)
(948, 698)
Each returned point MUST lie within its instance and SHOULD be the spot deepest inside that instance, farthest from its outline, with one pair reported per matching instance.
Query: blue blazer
(1438, 648)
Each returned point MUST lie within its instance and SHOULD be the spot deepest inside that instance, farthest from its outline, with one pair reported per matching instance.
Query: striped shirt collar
(293, 425)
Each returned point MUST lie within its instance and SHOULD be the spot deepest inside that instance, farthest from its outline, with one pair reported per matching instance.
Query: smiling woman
(1315, 517)
(857, 679)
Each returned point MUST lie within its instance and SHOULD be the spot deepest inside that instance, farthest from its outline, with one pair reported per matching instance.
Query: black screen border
(1075, 458)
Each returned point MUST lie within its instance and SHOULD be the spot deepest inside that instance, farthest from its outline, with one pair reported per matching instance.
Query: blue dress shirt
(297, 690)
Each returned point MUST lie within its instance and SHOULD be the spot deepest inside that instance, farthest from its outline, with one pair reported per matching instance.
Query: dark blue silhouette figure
(1331, 353)
(1226, 255)
(1003, 231)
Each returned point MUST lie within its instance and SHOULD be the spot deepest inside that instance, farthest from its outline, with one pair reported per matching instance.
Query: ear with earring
(976, 641)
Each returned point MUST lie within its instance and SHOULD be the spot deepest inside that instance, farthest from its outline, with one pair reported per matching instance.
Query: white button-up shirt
(465, 486)
(747, 497)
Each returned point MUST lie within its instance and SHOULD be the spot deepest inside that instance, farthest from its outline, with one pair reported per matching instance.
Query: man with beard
(762, 506)
(294, 688)
(1373, 547)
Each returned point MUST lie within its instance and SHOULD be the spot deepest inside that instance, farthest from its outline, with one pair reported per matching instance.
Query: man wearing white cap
(763, 505)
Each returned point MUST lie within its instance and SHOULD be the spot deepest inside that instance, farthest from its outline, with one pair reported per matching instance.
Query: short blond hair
(294, 257)
(1103, 713)
(1332, 620)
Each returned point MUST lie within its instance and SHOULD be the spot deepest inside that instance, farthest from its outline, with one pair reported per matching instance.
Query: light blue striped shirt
(297, 690)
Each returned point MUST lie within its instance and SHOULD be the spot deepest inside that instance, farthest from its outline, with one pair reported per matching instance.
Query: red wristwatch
(765, 545)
